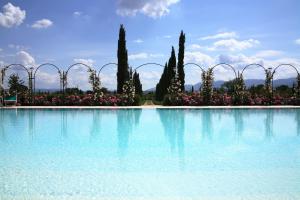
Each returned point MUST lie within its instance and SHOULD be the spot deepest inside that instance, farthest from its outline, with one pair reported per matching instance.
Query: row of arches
(63, 75)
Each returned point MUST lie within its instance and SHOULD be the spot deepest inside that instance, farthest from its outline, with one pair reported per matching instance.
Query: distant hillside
(248, 82)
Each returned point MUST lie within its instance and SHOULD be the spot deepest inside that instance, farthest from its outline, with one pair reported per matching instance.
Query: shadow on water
(173, 122)
(127, 119)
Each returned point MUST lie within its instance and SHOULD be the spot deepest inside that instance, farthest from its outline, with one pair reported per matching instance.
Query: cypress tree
(180, 64)
(161, 87)
(123, 73)
(171, 68)
(137, 84)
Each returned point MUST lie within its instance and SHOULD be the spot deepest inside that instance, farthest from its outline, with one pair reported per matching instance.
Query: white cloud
(42, 24)
(89, 62)
(233, 44)
(199, 58)
(151, 8)
(77, 14)
(223, 35)
(18, 47)
(138, 41)
(24, 58)
(167, 36)
(194, 47)
(268, 53)
(11, 16)
(143, 55)
(297, 41)
(46, 80)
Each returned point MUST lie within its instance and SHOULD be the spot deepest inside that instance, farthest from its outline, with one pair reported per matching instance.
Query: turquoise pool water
(150, 154)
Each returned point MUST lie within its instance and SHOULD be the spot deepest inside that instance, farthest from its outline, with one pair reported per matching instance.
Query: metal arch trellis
(65, 74)
(253, 64)
(288, 65)
(151, 63)
(105, 65)
(195, 64)
(47, 64)
(235, 74)
(298, 75)
(29, 73)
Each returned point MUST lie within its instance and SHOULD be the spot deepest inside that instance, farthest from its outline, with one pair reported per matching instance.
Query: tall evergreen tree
(180, 64)
(123, 73)
(171, 67)
(161, 87)
(137, 83)
(166, 78)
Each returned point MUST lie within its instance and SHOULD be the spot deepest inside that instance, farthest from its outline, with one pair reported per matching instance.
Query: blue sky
(234, 31)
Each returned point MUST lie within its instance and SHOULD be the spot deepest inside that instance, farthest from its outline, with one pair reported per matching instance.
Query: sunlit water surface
(150, 154)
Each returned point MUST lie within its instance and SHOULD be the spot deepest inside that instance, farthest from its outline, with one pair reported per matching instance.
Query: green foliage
(16, 85)
(207, 86)
(257, 90)
(94, 80)
(284, 91)
(123, 73)
(137, 100)
(239, 88)
(171, 67)
(268, 83)
(161, 87)
(180, 64)
(73, 91)
(137, 84)
(297, 90)
(165, 79)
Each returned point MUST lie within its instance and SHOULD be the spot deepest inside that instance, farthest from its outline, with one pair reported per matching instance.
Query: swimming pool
(150, 154)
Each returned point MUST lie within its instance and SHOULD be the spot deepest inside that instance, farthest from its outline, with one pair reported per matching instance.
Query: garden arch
(298, 74)
(145, 64)
(103, 66)
(52, 65)
(29, 74)
(197, 65)
(228, 65)
(65, 74)
(253, 64)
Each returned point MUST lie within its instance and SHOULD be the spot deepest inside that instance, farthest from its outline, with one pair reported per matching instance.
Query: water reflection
(269, 124)
(31, 123)
(127, 119)
(64, 123)
(173, 122)
(2, 122)
(96, 125)
(238, 122)
(297, 119)
(206, 121)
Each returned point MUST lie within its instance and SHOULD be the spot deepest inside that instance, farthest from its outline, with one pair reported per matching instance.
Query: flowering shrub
(84, 100)
(196, 99)
(128, 92)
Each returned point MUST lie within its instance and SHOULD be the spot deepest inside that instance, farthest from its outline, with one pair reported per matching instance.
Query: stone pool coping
(149, 107)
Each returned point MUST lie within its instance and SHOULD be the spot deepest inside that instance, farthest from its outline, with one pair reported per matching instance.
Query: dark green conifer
(123, 73)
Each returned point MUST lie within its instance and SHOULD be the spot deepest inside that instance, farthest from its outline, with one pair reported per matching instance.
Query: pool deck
(150, 107)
